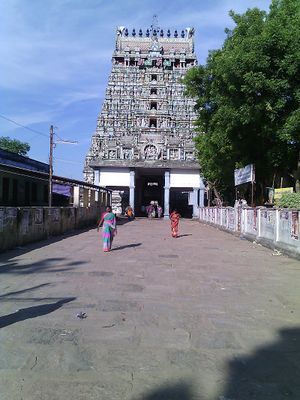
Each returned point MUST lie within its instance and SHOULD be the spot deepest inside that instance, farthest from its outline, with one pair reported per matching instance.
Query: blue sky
(56, 58)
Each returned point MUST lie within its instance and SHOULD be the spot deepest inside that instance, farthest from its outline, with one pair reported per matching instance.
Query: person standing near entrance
(159, 211)
(109, 228)
(129, 213)
(151, 210)
(174, 217)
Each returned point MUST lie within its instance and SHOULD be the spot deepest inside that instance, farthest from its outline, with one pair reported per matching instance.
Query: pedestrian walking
(174, 217)
(109, 228)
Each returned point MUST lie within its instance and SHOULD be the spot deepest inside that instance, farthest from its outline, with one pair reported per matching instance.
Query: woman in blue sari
(109, 228)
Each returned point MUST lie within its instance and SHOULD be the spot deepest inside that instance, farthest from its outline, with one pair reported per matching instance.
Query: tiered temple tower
(143, 145)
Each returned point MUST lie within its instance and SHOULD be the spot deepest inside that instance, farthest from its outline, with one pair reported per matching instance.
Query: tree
(14, 145)
(248, 98)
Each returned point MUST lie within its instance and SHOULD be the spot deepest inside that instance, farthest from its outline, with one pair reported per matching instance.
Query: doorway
(180, 200)
(149, 186)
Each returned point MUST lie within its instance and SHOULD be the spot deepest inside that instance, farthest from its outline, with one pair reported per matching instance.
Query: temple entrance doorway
(149, 186)
(180, 199)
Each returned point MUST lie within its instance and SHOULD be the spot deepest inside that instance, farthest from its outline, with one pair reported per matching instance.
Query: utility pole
(50, 166)
(52, 145)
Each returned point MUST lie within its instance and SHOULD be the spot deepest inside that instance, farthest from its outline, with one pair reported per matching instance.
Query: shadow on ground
(55, 264)
(19, 250)
(179, 391)
(33, 312)
(126, 246)
(13, 296)
(271, 372)
(16, 293)
(123, 220)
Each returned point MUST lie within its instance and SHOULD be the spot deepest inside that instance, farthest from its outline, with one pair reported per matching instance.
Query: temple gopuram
(143, 146)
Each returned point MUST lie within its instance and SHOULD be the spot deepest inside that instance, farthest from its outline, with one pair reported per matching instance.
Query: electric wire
(23, 126)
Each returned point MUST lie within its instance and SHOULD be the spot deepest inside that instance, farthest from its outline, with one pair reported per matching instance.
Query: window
(153, 123)
(153, 105)
(27, 193)
(34, 192)
(153, 91)
(45, 194)
(153, 77)
(5, 189)
(15, 192)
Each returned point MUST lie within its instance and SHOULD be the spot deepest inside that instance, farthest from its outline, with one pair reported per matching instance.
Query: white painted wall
(182, 179)
(281, 228)
(114, 177)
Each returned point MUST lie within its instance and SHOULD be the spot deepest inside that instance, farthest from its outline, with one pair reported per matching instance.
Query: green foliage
(289, 200)
(248, 97)
(14, 145)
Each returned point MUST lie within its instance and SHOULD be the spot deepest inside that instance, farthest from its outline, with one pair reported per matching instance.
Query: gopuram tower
(143, 146)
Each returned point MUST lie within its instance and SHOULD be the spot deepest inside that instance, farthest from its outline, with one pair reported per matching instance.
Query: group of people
(108, 222)
(154, 210)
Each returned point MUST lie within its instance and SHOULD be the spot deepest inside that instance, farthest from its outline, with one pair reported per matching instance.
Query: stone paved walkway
(205, 316)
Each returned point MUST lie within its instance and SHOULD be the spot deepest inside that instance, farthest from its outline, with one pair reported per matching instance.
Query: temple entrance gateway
(149, 186)
(180, 199)
(143, 146)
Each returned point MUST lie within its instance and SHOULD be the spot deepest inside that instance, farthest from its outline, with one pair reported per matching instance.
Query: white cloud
(70, 97)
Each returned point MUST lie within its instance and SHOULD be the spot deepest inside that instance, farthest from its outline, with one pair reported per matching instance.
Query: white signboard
(244, 175)
(184, 180)
(114, 178)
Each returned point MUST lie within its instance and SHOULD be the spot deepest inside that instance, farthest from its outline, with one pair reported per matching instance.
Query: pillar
(201, 193)
(195, 203)
(85, 197)
(76, 196)
(131, 189)
(97, 177)
(92, 197)
(167, 195)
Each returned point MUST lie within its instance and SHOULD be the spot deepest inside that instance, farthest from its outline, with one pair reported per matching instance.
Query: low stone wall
(19, 226)
(275, 228)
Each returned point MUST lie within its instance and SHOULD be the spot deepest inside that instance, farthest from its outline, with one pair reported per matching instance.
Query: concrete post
(244, 220)
(167, 195)
(277, 225)
(76, 196)
(109, 198)
(258, 222)
(131, 189)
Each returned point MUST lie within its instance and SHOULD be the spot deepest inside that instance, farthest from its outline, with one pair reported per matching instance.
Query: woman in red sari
(174, 217)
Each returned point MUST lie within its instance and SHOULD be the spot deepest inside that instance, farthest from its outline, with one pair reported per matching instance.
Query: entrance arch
(149, 186)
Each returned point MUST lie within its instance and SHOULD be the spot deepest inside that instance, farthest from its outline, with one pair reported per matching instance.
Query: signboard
(64, 190)
(244, 175)
(279, 192)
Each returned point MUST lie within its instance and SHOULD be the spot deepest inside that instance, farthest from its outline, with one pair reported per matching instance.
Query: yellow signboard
(280, 191)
